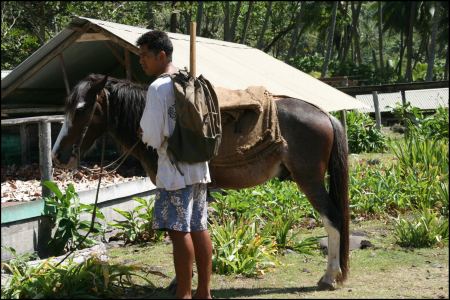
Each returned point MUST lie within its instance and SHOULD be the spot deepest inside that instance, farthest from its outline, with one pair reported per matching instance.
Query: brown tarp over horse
(250, 129)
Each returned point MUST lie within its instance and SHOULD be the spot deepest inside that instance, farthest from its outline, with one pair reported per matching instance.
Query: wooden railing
(45, 142)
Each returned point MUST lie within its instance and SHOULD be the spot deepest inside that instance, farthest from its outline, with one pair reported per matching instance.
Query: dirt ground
(382, 271)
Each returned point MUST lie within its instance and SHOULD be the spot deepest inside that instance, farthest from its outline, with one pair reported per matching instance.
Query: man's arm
(152, 121)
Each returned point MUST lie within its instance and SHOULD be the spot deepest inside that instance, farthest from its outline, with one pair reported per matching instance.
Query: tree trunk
(226, 23)
(355, 19)
(199, 16)
(330, 40)
(409, 42)
(446, 65)
(150, 15)
(380, 35)
(234, 22)
(173, 19)
(374, 59)
(41, 23)
(264, 27)
(431, 50)
(295, 37)
(400, 60)
(348, 42)
(187, 22)
(247, 22)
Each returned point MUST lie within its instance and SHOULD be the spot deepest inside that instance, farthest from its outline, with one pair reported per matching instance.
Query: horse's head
(85, 120)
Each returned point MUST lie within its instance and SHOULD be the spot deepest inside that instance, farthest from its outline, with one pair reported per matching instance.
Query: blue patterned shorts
(181, 210)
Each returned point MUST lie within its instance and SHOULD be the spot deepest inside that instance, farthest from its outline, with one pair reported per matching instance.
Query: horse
(315, 143)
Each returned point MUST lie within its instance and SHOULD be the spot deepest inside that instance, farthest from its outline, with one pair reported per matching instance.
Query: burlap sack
(250, 129)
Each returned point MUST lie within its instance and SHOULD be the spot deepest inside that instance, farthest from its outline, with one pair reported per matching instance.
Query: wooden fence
(45, 143)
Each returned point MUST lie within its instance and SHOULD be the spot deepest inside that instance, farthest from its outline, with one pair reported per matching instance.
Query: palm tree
(330, 40)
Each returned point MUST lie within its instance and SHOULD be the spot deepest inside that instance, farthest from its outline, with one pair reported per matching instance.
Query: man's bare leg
(183, 257)
(203, 259)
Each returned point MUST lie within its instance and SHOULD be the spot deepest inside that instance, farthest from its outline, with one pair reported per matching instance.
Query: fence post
(343, 117)
(376, 104)
(24, 143)
(403, 98)
(45, 159)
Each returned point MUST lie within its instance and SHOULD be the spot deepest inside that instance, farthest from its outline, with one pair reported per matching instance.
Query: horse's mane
(127, 100)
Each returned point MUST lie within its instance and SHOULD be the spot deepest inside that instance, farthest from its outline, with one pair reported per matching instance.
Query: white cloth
(158, 123)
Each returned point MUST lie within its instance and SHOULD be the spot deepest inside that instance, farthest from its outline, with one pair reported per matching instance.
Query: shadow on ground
(140, 292)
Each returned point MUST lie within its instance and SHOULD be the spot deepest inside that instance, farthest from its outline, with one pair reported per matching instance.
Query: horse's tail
(338, 191)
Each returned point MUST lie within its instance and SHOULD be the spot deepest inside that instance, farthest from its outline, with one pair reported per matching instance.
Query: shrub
(137, 226)
(425, 229)
(239, 248)
(91, 279)
(362, 134)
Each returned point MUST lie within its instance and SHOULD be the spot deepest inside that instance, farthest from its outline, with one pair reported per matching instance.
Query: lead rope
(98, 189)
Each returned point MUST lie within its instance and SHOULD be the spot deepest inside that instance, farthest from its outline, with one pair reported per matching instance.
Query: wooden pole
(24, 143)
(63, 68)
(127, 64)
(343, 117)
(192, 60)
(376, 104)
(45, 159)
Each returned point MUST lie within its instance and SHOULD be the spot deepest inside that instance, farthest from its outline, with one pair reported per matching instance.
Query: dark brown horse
(315, 144)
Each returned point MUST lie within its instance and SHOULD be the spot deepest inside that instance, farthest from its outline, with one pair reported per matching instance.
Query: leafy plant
(425, 229)
(239, 248)
(65, 210)
(91, 279)
(362, 134)
(137, 226)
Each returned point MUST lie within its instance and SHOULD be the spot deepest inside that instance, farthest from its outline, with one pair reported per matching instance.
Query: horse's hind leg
(320, 200)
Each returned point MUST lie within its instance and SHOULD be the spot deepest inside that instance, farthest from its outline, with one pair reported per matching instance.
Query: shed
(41, 82)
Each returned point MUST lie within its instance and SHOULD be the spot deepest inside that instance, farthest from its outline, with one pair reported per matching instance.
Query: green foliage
(93, 278)
(362, 134)
(249, 226)
(137, 226)
(27, 25)
(239, 248)
(424, 229)
(65, 211)
(418, 178)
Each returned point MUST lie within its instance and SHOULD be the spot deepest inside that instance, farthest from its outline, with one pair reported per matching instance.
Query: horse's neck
(146, 156)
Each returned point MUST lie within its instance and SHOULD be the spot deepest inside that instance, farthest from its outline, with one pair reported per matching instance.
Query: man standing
(180, 202)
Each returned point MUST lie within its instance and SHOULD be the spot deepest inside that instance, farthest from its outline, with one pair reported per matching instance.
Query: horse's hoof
(172, 288)
(325, 286)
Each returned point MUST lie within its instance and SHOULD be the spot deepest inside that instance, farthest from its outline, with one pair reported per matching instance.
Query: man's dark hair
(156, 41)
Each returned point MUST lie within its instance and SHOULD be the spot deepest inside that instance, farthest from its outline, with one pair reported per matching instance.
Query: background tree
(330, 39)
(296, 32)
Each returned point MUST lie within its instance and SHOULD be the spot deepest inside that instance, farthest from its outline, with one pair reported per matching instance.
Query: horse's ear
(98, 85)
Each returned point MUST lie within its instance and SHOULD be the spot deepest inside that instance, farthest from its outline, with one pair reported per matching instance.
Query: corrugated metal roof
(423, 99)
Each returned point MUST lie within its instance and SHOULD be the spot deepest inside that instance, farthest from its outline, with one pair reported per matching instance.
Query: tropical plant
(93, 278)
(239, 248)
(65, 211)
(424, 229)
(137, 224)
(362, 134)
